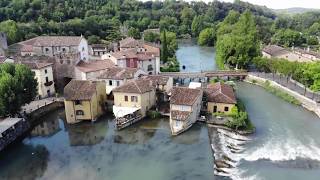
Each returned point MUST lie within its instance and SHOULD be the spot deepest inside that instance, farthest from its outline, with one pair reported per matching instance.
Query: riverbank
(305, 102)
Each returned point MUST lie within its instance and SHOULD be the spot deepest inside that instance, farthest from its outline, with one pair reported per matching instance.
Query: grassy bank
(278, 92)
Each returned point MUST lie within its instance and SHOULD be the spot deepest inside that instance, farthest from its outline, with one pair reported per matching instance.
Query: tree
(94, 39)
(150, 36)
(288, 38)
(207, 37)
(11, 30)
(197, 25)
(314, 30)
(164, 50)
(241, 45)
(18, 86)
(133, 32)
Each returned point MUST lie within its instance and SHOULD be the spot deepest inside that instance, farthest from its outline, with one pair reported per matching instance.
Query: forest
(109, 20)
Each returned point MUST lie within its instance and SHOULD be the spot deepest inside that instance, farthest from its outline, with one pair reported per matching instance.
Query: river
(285, 146)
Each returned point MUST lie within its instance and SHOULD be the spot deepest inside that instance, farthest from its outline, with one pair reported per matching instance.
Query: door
(214, 109)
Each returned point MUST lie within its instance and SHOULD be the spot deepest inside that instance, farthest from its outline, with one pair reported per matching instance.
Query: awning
(122, 111)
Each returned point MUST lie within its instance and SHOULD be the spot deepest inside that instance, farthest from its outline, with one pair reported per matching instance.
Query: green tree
(207, 37)
(93, 39)
(151, 36)
(134, 32)
(288, 38)
(197, 25)
(11, 30)
(241, 45)
(164, 49)
(18, 86)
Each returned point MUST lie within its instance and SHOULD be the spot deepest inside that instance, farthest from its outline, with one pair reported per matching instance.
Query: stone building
(136, 96)
(44, 75)
(84, 100)
(220, 98)
(92, 69)
(53, 46)
(185, 106)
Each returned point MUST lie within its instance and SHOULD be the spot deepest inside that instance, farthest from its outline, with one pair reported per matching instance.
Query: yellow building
(136, 96)
(220, 97)
(44, 75)
(84, 100)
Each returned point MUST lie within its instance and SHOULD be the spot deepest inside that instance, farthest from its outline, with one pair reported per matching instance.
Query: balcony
(49, 83)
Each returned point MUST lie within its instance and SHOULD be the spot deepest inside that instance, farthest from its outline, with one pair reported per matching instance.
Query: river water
(286, 144)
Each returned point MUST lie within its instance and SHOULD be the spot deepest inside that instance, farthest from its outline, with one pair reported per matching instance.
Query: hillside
(294, 10)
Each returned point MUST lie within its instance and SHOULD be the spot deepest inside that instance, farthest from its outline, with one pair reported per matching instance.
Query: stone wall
(42, 111)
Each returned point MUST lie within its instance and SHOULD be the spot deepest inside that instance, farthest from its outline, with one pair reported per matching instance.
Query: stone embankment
(307, 103)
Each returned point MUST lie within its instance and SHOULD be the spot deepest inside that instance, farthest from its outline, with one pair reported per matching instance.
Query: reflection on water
(97, 151)
(195, 58)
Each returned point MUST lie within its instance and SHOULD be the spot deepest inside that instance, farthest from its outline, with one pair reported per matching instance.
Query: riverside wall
(307, 103)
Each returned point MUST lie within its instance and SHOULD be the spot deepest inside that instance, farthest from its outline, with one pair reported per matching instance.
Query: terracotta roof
(80, 90)
(138, 86)
(184, 96)
(157, 79)
(220, 93)
(118, 73)
(152, 49)
(130, 43)
(26, 48)
(275, 50)
(180, 115)
(130, 53)
(92, 66)
(36, 65)
(54, 41)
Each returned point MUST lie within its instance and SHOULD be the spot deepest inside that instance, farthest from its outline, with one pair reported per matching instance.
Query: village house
(130, 43)
(84, 100)
(91, 70)
(117, 76)
(274, 51)
(44, 75)
(52, 46)
(163, 85)
(185, 106)
(220, 98)
(132, 59)
(133, 99)
(97, 50)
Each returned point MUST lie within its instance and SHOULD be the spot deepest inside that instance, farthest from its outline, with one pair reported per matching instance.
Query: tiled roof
(157, 79)
(138, 86)
(184, 96)
(79, 90)
(220, 93)
(118, 73)
(132, 53)
(152, 49)
(36, 65)
(92, 66)
(180, 115)
(54, 41)
(275, 50)
(130, 43)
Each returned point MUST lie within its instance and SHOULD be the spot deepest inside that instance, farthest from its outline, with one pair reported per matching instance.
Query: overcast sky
(280, 4)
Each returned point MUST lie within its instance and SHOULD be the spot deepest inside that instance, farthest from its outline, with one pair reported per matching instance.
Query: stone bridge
(206, 74)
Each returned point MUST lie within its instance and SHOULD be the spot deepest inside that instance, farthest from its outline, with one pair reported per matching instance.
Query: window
(110, 82)
(45, 71)
(118, 83)
(150, 68)
(64, 49)
(77, 102)
(82, 48)
(47, 49)
(226, 109)
(214, 109)
(125, 98)
(47, 79)
(134, 99)
(48, 93)
(79, 112)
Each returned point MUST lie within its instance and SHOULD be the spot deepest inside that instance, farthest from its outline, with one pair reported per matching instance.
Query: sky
(279, 4)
